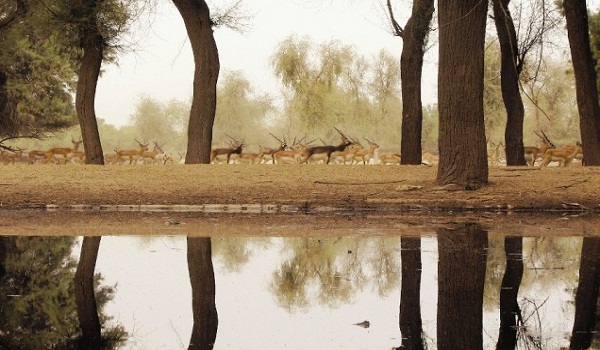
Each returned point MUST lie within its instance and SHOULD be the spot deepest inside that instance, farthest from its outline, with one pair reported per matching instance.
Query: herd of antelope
(348, 151)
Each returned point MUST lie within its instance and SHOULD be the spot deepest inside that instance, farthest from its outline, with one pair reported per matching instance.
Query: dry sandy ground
(36, 198)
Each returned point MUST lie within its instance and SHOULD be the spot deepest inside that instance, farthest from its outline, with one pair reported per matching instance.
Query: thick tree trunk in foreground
(462, 143)
(196, 16)
(509, 82)
(585, 79)
(92, 43)
(414, 37)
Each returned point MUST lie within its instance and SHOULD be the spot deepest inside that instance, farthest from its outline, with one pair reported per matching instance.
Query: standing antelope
(563, 155)
(62, 151)
(365, 155)
(268, 154)
(152, 156)
(532, 153)
(10, 156)
(128, 153)
(224, 154)
(326, 151)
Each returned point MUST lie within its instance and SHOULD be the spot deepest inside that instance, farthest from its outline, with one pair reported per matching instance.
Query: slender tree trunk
(462, 142)
(585, 79)
(586, 297)
(414, 37)
(411, 323)
(202, 278)
(196, 16)
(84, 295)
(510, 313)
(92, 43)
(461, 280)
(9, 124)
(509, 82)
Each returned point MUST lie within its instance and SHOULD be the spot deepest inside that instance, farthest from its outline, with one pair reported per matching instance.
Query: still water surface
(329, 292)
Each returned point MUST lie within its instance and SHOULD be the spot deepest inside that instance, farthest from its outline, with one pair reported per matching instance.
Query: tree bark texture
(92, 43)
(509, 83)
(585, 79)
(202, 278)
(411, 323)
(510, 313)
(414, 38)
(84, 295)
(461, 279)
(462, 142)
(196, 16)
(587, 295)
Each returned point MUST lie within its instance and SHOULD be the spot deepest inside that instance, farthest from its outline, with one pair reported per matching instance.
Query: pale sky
(162, 67)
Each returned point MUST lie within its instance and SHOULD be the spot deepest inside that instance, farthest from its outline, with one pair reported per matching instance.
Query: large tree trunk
(585, 79)
(414, 37)
(87, 310)
(461, 279)
(196, 16)
(202, 278)
(586, 297)
(462, 143)
(510, 313)
(92, 43)
(411, 323)
(509, 82)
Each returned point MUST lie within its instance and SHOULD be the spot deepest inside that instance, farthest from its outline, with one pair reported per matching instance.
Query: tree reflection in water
(462, 253)
(332, 271)
(202, 278)
(411, 324)
(586, 297)
(37, 300)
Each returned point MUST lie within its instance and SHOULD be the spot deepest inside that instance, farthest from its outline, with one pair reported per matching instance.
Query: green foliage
(37, 306)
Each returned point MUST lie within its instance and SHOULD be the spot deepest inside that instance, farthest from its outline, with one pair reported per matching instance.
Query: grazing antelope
(365, 155)
(249, 158)
(129, 153)
(532, 153)
(224, 154)
(325, 151)
(63, 152)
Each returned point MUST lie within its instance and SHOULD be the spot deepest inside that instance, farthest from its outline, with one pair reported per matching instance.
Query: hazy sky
(162, 66)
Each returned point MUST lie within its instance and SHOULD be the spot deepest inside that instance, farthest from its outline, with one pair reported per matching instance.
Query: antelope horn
(276, 138)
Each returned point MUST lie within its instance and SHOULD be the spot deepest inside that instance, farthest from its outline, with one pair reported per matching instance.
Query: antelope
(347, 156)
(167, 158)
(218, 154)
(493, 154)
(62, 151)
(10, 156)
(250, 157)
(389, 158)
(79, 155)
(122, 153)
(563, 155)
(268, 153)
(365, 155)
(151, 156)
(293, 155)
(533, 153)
(325, 150)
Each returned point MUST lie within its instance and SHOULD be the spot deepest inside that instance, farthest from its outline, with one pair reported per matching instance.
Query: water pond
(458, 285)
